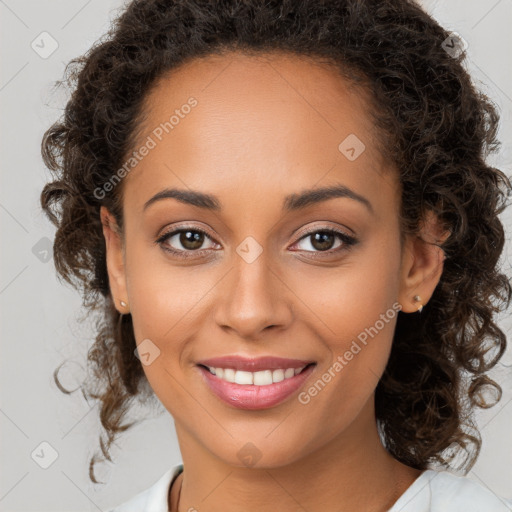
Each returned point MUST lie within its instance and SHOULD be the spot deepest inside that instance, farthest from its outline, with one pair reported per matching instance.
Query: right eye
(191, 239)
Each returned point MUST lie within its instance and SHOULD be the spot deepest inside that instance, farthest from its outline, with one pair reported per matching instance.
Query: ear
(422, 264)
(115, 260)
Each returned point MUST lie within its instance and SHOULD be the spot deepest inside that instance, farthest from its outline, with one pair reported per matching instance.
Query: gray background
(38, 314)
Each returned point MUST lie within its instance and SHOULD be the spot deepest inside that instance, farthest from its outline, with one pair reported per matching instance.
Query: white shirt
(432, 491)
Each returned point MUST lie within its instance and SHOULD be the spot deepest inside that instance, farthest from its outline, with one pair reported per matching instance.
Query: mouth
(254, 383)
(254, 364)
(259, 378)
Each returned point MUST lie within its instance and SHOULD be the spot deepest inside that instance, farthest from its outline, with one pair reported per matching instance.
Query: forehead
(269, 119)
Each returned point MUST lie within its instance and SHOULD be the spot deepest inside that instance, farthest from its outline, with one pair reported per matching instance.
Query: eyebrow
(292, 202)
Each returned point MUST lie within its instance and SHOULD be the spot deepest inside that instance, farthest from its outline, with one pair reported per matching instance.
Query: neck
(351, 472)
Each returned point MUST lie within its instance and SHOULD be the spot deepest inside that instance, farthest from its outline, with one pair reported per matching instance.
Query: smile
(272, 382)
(261, 378)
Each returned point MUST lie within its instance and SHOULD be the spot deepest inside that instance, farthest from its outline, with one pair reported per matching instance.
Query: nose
(253, 299)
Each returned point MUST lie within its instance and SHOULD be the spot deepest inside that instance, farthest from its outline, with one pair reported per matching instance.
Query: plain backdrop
(38, 314)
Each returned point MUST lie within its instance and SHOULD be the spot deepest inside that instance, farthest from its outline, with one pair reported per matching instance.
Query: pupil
(322, 240)
(191, 239)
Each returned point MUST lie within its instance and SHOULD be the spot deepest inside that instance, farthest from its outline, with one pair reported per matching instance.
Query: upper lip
(253, 364)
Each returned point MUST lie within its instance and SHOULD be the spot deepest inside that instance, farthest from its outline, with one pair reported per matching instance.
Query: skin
(266, 127)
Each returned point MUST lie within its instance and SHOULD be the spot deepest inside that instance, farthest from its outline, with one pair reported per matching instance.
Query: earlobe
(114, 260)
(422, 265)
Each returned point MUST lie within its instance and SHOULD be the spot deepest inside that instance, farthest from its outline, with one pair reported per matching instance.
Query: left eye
(322, 240)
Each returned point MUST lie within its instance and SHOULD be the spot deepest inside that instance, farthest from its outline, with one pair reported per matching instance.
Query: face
(257, 270)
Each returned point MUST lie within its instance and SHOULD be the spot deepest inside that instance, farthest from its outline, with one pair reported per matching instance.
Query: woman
(283, 213)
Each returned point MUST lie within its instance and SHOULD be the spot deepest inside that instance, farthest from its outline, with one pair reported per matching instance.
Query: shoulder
(442, 491)
(449, 491)
(154, 498)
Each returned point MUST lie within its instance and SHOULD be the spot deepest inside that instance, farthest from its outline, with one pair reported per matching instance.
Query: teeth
(261, 378)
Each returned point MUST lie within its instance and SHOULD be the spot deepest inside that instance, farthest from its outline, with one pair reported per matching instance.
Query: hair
(435, 127)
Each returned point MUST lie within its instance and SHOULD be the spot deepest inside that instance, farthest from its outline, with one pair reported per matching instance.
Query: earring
(417, 298)
(123, 303)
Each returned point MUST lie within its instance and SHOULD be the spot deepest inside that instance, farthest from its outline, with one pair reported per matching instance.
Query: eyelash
(347, 240)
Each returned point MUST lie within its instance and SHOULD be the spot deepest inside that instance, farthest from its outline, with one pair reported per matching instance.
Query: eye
(190, 239)
(323, 240)
(187, 242)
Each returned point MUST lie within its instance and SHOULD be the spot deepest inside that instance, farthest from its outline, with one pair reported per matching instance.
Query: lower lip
(253, 397)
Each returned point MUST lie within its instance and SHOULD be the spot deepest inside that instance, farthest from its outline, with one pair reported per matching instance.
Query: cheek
(356, 312)
(351, 298)
(345, 383)
(168, 304)
(163, 295)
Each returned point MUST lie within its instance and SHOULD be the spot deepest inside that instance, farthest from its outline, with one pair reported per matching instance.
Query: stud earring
(417, 298)
(123, 303)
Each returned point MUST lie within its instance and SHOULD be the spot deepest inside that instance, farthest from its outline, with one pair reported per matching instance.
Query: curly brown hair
(435, 126)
